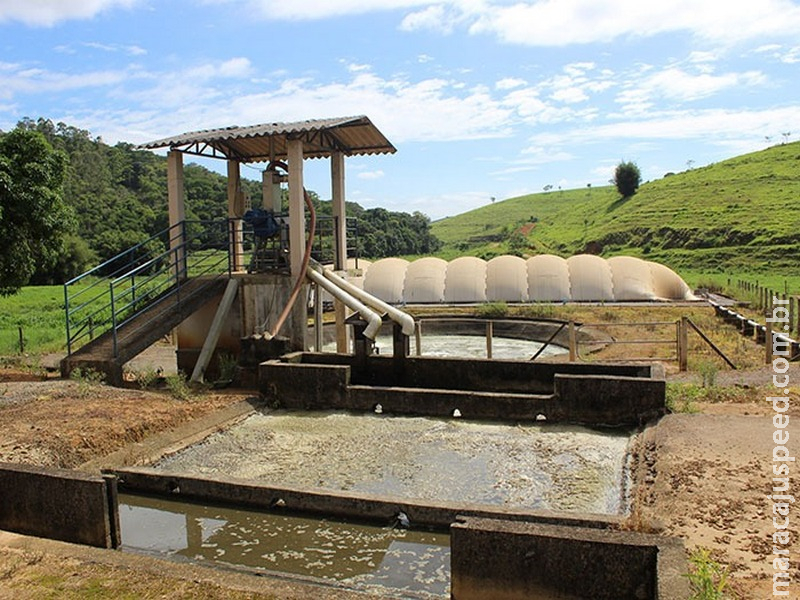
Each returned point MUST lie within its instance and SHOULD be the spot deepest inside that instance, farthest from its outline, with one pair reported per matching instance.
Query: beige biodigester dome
(385, 279)
(543, 278)
(465, 280)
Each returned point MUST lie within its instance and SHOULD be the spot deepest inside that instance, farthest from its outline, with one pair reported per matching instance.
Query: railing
(652, 335)
(110, 295)
(662, 335)
(256, 253)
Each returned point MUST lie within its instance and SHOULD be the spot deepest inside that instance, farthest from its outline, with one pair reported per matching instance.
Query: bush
(492, 310)
(708, 579)
(627, 178)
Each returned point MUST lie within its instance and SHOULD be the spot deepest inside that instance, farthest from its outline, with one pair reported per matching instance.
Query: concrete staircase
(143, 330)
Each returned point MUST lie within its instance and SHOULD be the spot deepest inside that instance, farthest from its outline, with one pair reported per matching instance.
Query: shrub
(708, 579)
(492, 310)
(627, 178)
(177, 386)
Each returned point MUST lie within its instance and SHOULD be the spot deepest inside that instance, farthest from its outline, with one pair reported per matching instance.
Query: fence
(664, 341)
(763, 300)
(667, 336)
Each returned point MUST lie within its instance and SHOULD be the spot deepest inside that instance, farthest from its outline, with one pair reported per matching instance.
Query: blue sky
(482, 98)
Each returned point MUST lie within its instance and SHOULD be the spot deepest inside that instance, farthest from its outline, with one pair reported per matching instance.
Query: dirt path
(707, 482)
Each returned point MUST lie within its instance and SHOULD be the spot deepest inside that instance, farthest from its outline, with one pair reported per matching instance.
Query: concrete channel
(476, 479)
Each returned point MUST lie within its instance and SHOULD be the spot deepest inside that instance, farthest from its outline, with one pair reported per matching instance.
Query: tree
(34, 218)
(627, 178)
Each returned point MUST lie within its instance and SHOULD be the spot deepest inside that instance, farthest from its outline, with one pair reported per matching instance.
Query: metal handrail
(109, 296)
(112, 301)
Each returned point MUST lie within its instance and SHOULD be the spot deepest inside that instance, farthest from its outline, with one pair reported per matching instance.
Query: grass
(734, 218)
(707, 578)
(39, 311)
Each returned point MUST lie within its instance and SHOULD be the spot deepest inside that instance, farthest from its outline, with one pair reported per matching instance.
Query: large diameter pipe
(373, 319)
(405, 320)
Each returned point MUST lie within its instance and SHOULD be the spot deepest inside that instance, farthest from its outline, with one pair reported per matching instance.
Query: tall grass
(39, 311)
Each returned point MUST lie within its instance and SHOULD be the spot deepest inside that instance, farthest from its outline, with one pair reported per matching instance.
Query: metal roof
(257, 143)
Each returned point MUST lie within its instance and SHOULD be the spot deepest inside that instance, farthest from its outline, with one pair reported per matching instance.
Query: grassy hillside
(738, 216)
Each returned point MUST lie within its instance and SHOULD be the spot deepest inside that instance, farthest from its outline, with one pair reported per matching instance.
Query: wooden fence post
(768, 342)
(683, 345)
(573, 339)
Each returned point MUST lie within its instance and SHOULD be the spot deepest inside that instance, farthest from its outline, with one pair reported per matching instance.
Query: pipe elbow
(407, 324)
(371, 331)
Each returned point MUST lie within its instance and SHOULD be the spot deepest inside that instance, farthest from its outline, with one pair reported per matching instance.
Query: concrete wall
(609, 400)
(260, 300)
(591, 394)
(59, 504)
(506, 560)
(343, 504)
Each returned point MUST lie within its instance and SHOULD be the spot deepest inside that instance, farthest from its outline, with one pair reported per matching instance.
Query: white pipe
(405, 320)
(368, 314)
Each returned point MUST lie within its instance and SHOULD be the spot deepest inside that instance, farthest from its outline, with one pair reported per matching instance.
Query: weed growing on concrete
(86, 379)
(492, 310)
(682, 398)
(177, 386)
(538, 310)
(146, 378)
(708, 370)
(707, 578)
(227, 367)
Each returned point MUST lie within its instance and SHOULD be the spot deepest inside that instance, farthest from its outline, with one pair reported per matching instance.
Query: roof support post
(271, 191)
(340, 237)
(339, 210)
(297, 220)
(235, 211)
(177, 211)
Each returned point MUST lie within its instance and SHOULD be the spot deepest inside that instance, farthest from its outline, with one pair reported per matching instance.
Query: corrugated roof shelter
(269, 141)
(284, 147)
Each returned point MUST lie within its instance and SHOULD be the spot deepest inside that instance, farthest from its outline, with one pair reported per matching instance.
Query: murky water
(521, 466)
(466, 346)
(414, 564)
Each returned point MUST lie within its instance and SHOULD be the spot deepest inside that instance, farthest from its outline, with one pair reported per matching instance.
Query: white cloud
(132, 50)
(46, 13)
(509, 83)
(371, 174)
(674, 83)
(787, 56)
(431, 18)
(307, 10)
(356, 68)
(570, 95)
(444, 205)
(561, 22)
(163, 103)
(565, 22)
(20, 80)
(235, 67)
(713, 125)
(532, 158)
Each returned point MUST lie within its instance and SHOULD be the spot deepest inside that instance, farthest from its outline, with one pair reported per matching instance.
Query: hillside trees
(384, 233)
(34, 219)
(627, 178)
(119, 197)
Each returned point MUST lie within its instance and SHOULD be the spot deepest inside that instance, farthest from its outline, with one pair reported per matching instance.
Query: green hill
(738, 216)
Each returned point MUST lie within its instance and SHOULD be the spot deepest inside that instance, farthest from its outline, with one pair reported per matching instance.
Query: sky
(483, 99)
